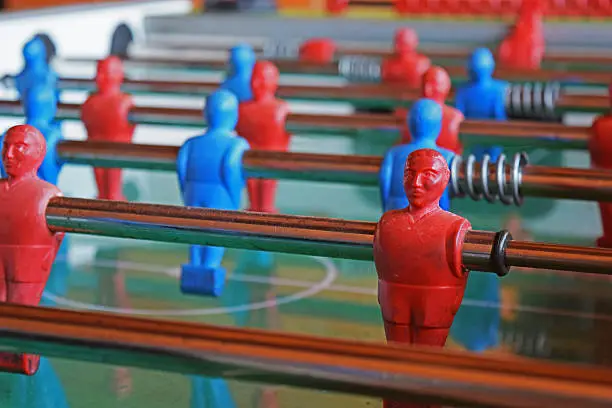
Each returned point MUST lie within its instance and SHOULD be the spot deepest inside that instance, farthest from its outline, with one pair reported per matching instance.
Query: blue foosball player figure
(210, 175)
(425, 123)
(482, 97)
(241, 62)
(36, 70)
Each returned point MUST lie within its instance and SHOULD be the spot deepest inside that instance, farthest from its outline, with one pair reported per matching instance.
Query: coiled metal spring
(491, 180)
(358, 68)
(535, 101)
(282, 49)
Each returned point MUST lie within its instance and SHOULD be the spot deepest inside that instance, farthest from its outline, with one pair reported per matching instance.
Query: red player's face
(424, 182)
(263, 82)
(20, 155)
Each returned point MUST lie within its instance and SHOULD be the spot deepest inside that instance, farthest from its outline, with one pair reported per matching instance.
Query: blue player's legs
(204, 275)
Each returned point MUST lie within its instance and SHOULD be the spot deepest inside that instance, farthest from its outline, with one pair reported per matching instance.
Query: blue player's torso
(207, 153)
(30, 77)
(239, 85)
(481, 101)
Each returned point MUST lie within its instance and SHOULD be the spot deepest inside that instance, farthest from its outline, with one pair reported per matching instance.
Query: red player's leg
(605, 240)
(254, 197)
(115, 185)
(267, 195)
(398, 333)
(100, 176)
(430, 336)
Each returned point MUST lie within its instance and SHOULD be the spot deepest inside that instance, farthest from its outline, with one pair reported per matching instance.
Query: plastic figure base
(201, 280)
(19, 363)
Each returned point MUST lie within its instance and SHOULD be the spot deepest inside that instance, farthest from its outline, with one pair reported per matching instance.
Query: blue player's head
(221, 111)
(425, 121)
(40, 104)
(481, 64)
(34, 51)
(242, 58)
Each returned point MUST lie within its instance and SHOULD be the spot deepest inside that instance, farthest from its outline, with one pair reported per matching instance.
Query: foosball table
(230, 249)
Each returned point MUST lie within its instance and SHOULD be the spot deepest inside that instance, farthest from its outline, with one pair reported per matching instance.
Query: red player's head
(436, 84)
(109, 74)
(23, 151)
(264, 80)
(405, 41)
(426, 176)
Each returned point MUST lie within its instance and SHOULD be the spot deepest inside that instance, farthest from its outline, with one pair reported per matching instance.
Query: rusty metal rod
(536, 181)
(570, 136)
(401, 373)
(335, 238)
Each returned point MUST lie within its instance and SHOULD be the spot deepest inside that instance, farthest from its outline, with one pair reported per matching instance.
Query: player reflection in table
(42, 390)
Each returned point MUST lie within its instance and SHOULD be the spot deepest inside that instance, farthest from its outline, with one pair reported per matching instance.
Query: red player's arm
(283, 113)
(454, 250)
(127, 103)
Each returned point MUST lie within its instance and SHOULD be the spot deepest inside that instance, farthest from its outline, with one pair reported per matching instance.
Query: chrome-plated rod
(372, 369)
(361, 170)
(316, 236)
(566, 137)
(535, 181)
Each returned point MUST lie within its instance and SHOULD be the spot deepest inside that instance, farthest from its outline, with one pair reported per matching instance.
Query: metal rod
(382, 51)
(303, 67)
(335, 238)
(570, 136)
(535, 181)
(371, 369)
(377, 94)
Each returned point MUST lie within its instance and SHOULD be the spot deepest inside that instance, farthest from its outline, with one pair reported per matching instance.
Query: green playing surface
(528, 314)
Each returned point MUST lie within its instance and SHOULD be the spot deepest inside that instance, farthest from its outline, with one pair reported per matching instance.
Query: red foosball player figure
(405, 66)
(524, 47)
(261, 121)
(436, 86)
(27, 247)
(318, 50)
(105, 116)
(600, 147)
(417, 253)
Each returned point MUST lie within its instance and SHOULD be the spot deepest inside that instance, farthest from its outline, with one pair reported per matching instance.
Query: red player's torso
(422, 252)
(449, 135)
(406, 70)
(600, 142)
(262, 124)
(22, 213)
(106, 117)
(523, 49)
